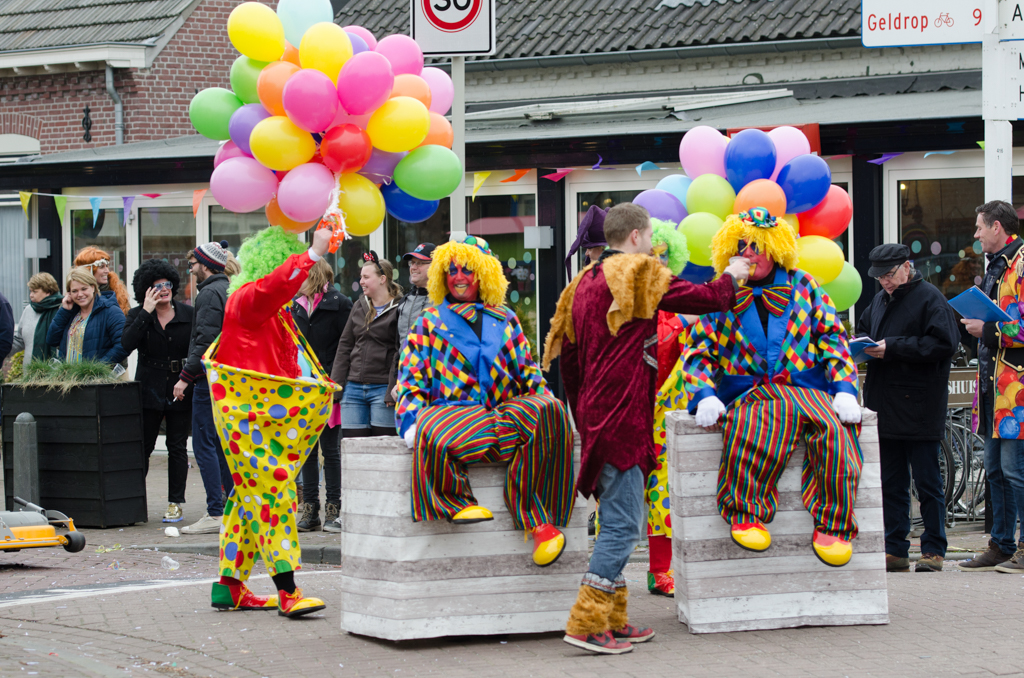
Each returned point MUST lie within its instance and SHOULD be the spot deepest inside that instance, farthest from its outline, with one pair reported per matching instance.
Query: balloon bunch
(774, 170)
(317, 110)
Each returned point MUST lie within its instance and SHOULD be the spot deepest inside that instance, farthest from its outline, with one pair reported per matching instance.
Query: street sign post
(901, 23)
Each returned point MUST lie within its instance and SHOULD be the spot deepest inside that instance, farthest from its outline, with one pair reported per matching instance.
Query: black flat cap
(886, 257)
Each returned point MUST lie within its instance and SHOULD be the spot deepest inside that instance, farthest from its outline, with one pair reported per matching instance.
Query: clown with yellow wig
(469, 392)
(771, 370)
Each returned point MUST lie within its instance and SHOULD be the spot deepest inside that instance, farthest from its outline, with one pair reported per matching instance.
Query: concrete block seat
(404, 580)
(721, 587)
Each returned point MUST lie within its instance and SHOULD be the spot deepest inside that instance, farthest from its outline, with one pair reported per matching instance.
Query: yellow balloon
(794, 221)
(400, 124)
(362, 204)
(325, 47)
(256, 32)
(820, 257)
(278, 143)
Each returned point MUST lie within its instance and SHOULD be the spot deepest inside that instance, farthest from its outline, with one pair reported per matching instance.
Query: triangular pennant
(558, 174)
(95, 202)
(127, 200)
(939, 153)
(152, 195)
(645, 165)
(478, 180)
(25, 198)
(60, 201)
(886, 157)
(519, 174)
(982, 144)
(197, 200)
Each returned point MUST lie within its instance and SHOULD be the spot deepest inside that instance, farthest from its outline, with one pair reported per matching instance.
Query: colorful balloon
(275, 217)
(749, 156)
(325, 47)
(242, 185)
(442, 91)
(441, 132)
(414, 86)
(228, 150)
(310, 100)
(830, 217)
(661, 205)
(346, 148)
(362, 204)
(245, 73)
(366, 35)
(712, 194)
(404, 207)
(280, 144)
(699, 228)
(381, 166)
(358, 44)
(403, 53)
(297, 16)
(291, 55)
(400, 124)
(242, 123)
(846, 289)
(305, 194)
(789, 143)
(794, 222)
(210, 112)
(676, 184)
(805, 179)
(270, 85)
(256, 32)
(343, 118)
(820, 257)
(702, 151)
(761, 193)
(429, 173)
(365, 83)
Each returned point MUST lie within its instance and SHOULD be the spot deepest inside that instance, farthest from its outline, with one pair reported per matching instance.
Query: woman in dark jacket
(160, 330)
(88, 325)
(320, 312)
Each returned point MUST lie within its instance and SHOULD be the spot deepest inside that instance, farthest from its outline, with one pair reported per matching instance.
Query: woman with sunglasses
(160, 329)
(364, 364)
(99, 264)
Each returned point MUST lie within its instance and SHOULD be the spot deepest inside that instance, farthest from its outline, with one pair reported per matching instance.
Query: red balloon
(346, 148)
(830, 217)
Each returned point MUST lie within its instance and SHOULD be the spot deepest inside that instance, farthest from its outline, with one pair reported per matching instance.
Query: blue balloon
(805, 180)
(298, 15)
(697, 274)
(677, 185)
(750, 155)
(404, 207)
(358, 44)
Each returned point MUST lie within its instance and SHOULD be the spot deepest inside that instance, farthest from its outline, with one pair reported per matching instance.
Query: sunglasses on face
(165, 285)
(743, 246)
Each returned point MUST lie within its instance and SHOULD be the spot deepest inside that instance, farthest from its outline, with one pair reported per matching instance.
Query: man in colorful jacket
(777, 367)
(1000, 388)
(469, 392)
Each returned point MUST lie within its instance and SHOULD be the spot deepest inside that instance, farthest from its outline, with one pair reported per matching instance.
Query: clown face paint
(462, 283)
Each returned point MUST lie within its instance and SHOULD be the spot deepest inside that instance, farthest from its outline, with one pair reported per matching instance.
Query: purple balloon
(241, 124)
(381, 166)
(242, 184)
(661, 205)
(358, 44)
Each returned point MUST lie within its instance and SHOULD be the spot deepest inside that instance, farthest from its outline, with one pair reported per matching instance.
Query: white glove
(847, 407)
(708, 411)
(410, 437)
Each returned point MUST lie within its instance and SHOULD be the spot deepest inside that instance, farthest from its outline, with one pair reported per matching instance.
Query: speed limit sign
(454, 27)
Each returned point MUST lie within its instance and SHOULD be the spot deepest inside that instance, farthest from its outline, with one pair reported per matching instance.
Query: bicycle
(944, 18)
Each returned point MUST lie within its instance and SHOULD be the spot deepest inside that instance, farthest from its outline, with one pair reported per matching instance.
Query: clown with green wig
(271, 399)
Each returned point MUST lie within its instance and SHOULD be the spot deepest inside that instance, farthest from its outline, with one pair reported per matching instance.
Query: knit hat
(212, 255)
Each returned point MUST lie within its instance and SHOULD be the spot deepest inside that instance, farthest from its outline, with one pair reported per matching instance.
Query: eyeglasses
(742, 246)
(889, 275)
(165, 285)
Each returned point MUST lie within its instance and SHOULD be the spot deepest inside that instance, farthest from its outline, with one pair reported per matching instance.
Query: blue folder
(974, 304)
(857, 347)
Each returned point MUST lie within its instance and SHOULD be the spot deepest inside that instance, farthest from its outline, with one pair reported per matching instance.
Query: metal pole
(458, 199)
(26, 458)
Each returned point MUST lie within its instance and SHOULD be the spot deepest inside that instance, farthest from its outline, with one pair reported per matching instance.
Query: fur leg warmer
(619, 616)
(590, 613)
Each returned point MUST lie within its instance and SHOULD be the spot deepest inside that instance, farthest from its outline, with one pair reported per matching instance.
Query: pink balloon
(226, 151)
(789, 143)
(242, 184)
(442, 91)
(305, 193)
(702, 151)
(403, 53)
(310, 100)
(366, 35)
(343, 118)
(364, 83)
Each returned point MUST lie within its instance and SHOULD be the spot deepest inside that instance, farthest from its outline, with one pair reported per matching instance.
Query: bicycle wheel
(947, 470)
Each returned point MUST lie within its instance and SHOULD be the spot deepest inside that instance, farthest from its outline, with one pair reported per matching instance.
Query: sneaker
(632, 634)
(601, 643)
(173, 514)
(295, 604)
(205, 525)
(896, 564)
(310, 520)
(930, 562)
(332, 521)
(1014, 565)
(985, 562)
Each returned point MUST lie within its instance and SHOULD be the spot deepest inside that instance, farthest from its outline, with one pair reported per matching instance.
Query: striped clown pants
(531, 433)
(761, 434)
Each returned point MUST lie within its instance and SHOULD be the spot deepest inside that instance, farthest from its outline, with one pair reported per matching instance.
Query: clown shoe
(295, 605)
(472, 514)
(833, 551)
(548, 544)
(661, 583)
(225, 597)
(751, 536)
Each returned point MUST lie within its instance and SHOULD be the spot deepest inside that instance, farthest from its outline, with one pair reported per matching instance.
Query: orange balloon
(441, 133)
(761, 193)
(291, 54)
(278, 218)
(408, 85)
(270, 85)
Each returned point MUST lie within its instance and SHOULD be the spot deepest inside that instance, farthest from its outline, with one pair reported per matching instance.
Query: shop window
(107, 233)
(401, 237)
(15, 269)
(169, 233)
(347, 262)
(234, 228)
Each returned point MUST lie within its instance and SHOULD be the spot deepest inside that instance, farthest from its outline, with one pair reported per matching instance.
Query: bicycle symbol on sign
(944, 18)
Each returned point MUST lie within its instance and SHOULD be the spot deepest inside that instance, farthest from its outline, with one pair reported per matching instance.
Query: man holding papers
(1000, 387)
(916, 334)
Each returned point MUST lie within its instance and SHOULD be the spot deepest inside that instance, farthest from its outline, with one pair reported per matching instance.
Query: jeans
(177, 447)
(213, 467)
(1004, 468)
(623, 519)
(362, 406)
(899, 458)
(330, 445)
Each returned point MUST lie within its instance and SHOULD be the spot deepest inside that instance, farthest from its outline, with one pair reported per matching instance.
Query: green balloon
(846, 289)
(712, 194)
(699, 229)
(211, 110)
(245, 72)
(429, 173)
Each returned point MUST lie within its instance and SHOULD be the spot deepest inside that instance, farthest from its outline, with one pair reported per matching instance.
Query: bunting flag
(886, 157)
(519, 174)
(837, 157)
(645, 165)
(598, 165)
(127, 201)
(478, 180)
(559, 173)
(60, 201)
(25, 197)
(155, 195)
(982, 144)
(939, 153)
(197, 200)
(95, 202)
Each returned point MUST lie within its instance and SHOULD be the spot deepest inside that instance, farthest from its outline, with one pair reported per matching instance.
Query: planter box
(91, 464)
(721, 587)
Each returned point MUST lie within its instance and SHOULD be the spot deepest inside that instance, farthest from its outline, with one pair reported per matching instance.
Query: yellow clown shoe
(832, 551)
(472, 514)
(548, 544)
(295, 605)
(751, 536)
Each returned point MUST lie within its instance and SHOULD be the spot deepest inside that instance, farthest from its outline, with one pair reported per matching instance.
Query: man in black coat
(908, 386)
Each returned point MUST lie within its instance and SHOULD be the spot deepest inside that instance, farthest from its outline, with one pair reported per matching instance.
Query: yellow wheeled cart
(35, 527)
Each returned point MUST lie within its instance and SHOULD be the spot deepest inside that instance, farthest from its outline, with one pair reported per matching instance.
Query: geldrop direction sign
(901, 23)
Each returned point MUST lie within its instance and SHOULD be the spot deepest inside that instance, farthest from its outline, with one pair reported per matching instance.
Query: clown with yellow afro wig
(772, 236)
(470, 392)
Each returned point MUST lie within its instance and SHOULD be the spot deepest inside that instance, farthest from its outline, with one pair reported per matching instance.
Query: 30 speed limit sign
(454, 27)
